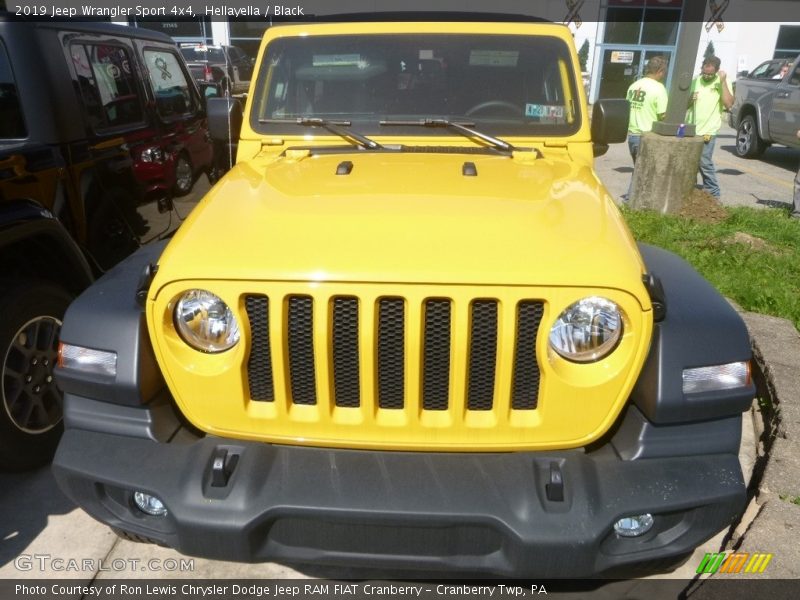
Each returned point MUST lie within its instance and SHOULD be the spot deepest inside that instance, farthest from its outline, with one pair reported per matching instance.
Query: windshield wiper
(463, 127)
(337, 127)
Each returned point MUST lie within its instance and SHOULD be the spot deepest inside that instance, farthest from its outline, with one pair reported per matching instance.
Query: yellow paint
(411, 226)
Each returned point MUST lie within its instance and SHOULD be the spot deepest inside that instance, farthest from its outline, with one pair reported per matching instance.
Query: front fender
(107, 317)
(700, 329)
(27, 222)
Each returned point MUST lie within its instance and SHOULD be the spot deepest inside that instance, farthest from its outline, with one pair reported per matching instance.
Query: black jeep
(71, 204)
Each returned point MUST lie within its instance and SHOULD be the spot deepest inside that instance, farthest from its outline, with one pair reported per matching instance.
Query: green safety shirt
(706, 112)
(648, 99)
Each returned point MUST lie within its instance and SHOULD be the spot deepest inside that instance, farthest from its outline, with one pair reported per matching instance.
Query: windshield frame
(368, 123)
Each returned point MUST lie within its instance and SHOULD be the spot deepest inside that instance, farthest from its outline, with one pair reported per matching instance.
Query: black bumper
(473, 513)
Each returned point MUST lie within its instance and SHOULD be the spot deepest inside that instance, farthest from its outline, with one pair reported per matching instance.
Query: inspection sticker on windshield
(493, 58)
(336, 60)
(544, 111)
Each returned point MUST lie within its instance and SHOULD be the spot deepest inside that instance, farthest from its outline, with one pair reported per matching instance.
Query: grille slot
(346, 381)
(300, 327)
(259, 363)
(482, 355)
(391, 353)
(395, 322)
(525, 390)
(436, 355)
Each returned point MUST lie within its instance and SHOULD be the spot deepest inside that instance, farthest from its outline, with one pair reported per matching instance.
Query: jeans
(634, 141)
(707, 169)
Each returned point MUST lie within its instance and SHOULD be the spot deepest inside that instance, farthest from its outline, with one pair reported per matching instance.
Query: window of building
(788, 44)
(247, 35)
(186, 30)
(660, 26)
(640, 22)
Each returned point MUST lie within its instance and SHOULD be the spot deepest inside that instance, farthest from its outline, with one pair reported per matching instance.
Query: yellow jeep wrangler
(409, 329)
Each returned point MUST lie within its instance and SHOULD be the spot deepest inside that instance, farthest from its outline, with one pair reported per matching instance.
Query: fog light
(151, 505)
(634, 526)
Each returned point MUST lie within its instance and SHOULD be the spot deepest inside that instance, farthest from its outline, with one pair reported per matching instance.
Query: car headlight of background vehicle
(153, 154)
(587, 330)
(205, 322)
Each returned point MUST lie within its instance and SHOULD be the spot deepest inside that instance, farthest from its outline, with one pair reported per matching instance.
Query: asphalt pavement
(45, 536)
(766, 182)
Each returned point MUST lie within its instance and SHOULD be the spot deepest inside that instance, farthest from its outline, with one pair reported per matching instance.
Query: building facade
(623, 34)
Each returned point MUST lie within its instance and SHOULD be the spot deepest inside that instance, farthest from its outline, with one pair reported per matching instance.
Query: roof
(419, 16)
(97, 27)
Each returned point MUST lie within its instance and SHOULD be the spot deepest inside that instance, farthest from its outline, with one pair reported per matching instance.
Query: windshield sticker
(544, 111)
(426, 54)
(493, 58)
(337, 60)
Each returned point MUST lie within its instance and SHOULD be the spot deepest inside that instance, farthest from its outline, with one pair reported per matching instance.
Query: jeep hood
(408, 218)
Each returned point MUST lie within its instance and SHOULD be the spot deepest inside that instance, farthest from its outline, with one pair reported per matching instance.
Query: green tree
(709, 50)
(583, 54)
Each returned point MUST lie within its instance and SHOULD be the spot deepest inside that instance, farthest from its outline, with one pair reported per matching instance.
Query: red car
(160, 115)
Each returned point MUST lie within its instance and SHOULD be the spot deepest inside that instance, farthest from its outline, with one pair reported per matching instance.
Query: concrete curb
(776, 348)
(768, 523)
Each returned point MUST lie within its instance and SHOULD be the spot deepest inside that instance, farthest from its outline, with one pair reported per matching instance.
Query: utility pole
(691, 28)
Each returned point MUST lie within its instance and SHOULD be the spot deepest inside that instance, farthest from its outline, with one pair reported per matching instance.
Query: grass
(761, 276)
(791, 499)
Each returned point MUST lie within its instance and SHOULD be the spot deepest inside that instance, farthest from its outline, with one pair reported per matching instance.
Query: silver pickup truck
(766, 110)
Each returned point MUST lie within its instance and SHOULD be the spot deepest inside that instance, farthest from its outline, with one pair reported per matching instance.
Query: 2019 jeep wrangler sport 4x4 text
(409, 329)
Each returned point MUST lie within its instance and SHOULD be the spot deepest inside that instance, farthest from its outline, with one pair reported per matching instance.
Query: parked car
(769, 69)
(410, 329)
(89, 153)
(766, 110)
(228, 66)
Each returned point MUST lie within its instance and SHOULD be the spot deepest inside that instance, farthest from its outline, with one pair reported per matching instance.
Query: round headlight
(587, 330)
(205, 322)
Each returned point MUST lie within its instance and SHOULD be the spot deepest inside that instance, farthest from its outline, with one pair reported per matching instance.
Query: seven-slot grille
(389, 340)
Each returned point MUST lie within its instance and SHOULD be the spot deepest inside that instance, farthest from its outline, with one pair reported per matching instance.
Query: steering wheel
(495, 104)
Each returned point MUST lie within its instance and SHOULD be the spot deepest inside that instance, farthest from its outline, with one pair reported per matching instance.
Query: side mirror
(209, 89)
(609, 123)
(224, 119)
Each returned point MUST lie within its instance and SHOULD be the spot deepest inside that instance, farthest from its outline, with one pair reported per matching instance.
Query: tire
(184, 175)
(31, 406)
(748, 142)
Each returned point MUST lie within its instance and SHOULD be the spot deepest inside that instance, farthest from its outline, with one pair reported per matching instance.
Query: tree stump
(665, 172)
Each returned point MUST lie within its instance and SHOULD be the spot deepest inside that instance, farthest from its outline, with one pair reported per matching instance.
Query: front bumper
(481, 514)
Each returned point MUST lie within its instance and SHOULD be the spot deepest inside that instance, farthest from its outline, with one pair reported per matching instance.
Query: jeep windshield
(506, 85)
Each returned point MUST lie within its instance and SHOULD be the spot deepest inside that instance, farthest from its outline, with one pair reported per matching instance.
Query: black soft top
(96, 27)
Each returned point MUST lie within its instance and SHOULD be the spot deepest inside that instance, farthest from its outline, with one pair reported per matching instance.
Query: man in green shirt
(648, 100)
(710, 96)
